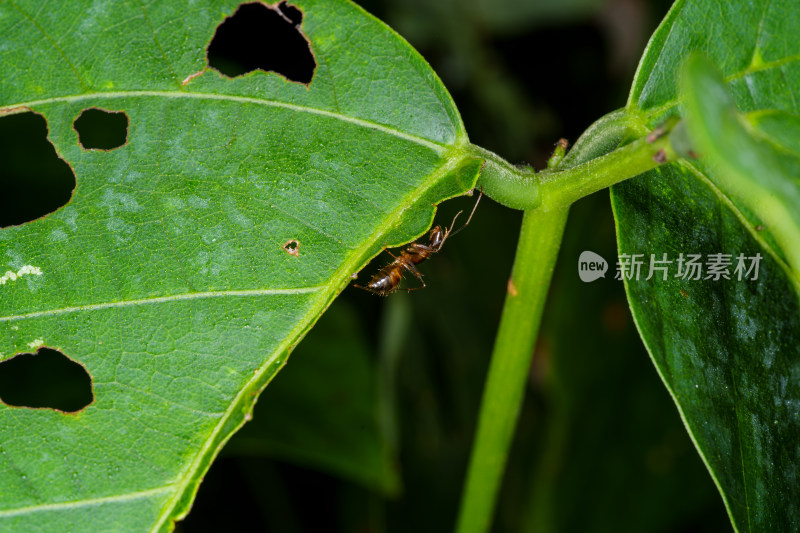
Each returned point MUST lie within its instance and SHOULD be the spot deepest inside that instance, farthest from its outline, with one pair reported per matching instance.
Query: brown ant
(387, 280)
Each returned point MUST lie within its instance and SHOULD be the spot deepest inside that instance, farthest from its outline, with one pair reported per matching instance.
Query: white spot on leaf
(198, 202)
(36, 343)
(57, 235)
(27, 270)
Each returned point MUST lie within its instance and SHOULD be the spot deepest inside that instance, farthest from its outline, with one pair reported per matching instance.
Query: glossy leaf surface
(168, 275)
(727, 349)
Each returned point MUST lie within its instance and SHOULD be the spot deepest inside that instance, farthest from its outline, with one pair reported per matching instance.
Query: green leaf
(165, 275)
(752, 159)
(726, 349)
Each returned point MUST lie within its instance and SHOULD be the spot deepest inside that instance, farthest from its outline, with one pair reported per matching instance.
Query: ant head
(437, 237)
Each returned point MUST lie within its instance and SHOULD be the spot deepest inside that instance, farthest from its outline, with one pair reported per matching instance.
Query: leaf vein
(779, 63)
(162, 299)
(52, 41)
(158, 44)
(89, 502)
(364, 123)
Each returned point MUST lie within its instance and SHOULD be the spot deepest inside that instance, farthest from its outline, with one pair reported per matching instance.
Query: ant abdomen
(386, 281)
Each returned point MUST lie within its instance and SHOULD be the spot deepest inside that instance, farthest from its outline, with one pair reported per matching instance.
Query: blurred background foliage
(369, 427)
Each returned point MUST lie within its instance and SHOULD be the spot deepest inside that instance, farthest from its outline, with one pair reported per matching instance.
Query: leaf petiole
(519, 187)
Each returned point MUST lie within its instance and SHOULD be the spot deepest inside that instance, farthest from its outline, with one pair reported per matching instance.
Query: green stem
(520, 188)
(513, 186)
(592, 165)
(562, 188)
(539, 241)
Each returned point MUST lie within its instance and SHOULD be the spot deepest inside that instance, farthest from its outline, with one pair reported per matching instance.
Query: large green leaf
(727, 349)
(165, 276)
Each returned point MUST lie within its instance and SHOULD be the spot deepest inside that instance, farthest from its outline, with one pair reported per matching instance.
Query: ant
(387, 280)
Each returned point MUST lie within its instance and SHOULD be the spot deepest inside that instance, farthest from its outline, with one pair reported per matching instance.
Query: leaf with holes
(725, 337)
(204, 238)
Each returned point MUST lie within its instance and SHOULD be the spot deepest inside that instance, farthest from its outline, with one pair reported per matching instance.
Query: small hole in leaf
(47, 378)
(99, 129)
(292, 247)
(34, 180)
(263, 37)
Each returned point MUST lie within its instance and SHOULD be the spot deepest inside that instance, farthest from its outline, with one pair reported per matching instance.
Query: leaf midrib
(367, 124)
(638, 124)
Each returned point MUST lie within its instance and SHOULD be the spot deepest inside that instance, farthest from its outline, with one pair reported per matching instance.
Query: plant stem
(513, 186)
(539, 241)
(520, 188)
(546, 197)
(562, 188)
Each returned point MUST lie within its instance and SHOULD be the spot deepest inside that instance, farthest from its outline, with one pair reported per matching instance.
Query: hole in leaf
(34, 180)
(292, 247)
(47, 378)
(99, 129)
(263, 37)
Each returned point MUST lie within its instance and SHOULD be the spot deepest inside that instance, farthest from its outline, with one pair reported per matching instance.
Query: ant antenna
(449, 233)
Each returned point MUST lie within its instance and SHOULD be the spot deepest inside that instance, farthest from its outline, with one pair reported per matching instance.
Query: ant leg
(480, 195)
(390, 253)
(417, 274)
(413, 270)
(449, 232)
(409, 289)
